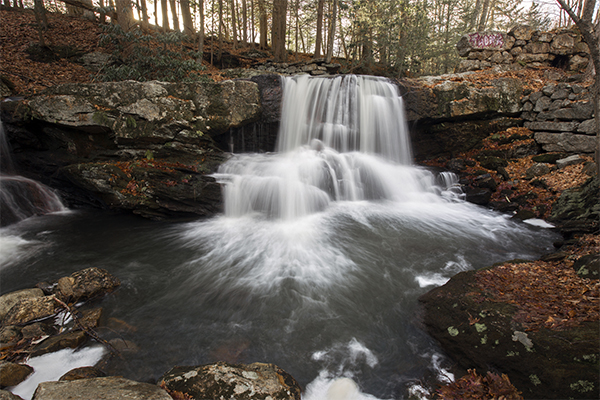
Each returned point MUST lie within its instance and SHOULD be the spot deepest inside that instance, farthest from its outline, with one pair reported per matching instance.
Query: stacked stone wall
(562, 117)
(523, 47)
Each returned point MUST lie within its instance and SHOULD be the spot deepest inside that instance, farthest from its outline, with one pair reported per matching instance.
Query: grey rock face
(243, 382)
(108, 388)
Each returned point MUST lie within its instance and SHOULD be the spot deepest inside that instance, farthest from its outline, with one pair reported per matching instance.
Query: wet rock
(30, 309)
(86, 284)
(456, 165)
(522, 215)
(37, 330)
(106, 388)
(480, 196)
(82, 373)
(222, 380)
(8, 300)
(12, 374)
(588, 266)
(90, 319)
(10, 334)
(65, 340)
(124, 346)
(477, 332)
(149, 191)
(6, 395)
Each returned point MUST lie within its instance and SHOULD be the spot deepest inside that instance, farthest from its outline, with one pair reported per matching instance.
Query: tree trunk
(233, 25)
(125, 15)
(201, 30)
(145, 19)
(41, 19)
(245, 22)
(319, 37)
(164, 8)
(483, 17)
(174, 15)
(219, 52)
(331, 39)
(186, 14)
(263, 24)
(278, 30)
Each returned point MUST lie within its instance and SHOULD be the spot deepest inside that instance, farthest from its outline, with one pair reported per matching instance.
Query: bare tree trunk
(278, 30)
(164, 8)
(263, 24)
(297, 25)
(233, 25)
(41, 19)
(483, 17)
(186, 14)
(319, 38)
(145, 18)
(245, 22)
(220, 30)
(201, 30)
(174, 15)
(331, 39)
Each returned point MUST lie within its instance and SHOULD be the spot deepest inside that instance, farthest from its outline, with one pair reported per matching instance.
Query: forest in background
(401, 37)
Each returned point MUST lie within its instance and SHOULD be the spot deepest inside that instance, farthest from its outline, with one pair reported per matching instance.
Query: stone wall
(523, 47)
(561, 115)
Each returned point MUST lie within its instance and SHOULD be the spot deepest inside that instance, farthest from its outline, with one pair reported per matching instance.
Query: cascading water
(316, 265)
(21, 197)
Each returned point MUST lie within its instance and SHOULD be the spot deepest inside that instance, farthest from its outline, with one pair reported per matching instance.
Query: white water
(51, 366)
(21, 197)
(306, 219)
(316, 266)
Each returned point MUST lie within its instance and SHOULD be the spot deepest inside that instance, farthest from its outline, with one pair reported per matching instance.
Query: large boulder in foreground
(109, 388)
(226, 381)
(536, 322)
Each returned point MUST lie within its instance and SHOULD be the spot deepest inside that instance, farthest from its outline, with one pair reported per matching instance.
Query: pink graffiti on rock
(486, 40)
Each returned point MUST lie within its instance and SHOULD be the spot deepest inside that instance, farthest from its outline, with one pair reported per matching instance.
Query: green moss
(535, 380)
(130, 122)
(512, 354)
(582, 386)
(480, 327)
(484, 339)
(452, 331)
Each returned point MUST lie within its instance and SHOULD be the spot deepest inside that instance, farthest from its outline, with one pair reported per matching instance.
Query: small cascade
(340, 139)
(21, 197)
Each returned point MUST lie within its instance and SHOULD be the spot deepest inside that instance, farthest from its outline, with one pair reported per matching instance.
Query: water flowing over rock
(244, 382)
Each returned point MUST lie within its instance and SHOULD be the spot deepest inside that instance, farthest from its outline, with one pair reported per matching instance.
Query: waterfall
(21, 197)
(340, 139)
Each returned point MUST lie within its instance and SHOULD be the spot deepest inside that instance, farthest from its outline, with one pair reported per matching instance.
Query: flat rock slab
(109, 388)
(227, 381)
(8, 300)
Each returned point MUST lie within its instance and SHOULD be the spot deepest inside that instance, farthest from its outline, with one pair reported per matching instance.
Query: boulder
(571, 160)
(479, 332)
(578, 204)
(7, 301)
(222, 380)
(588, 267)
(30, 309)
(6, 395)
(537, 169)
(82, 373)
(12, 374)
(65, 340)
(106, 388)
(86, 284)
